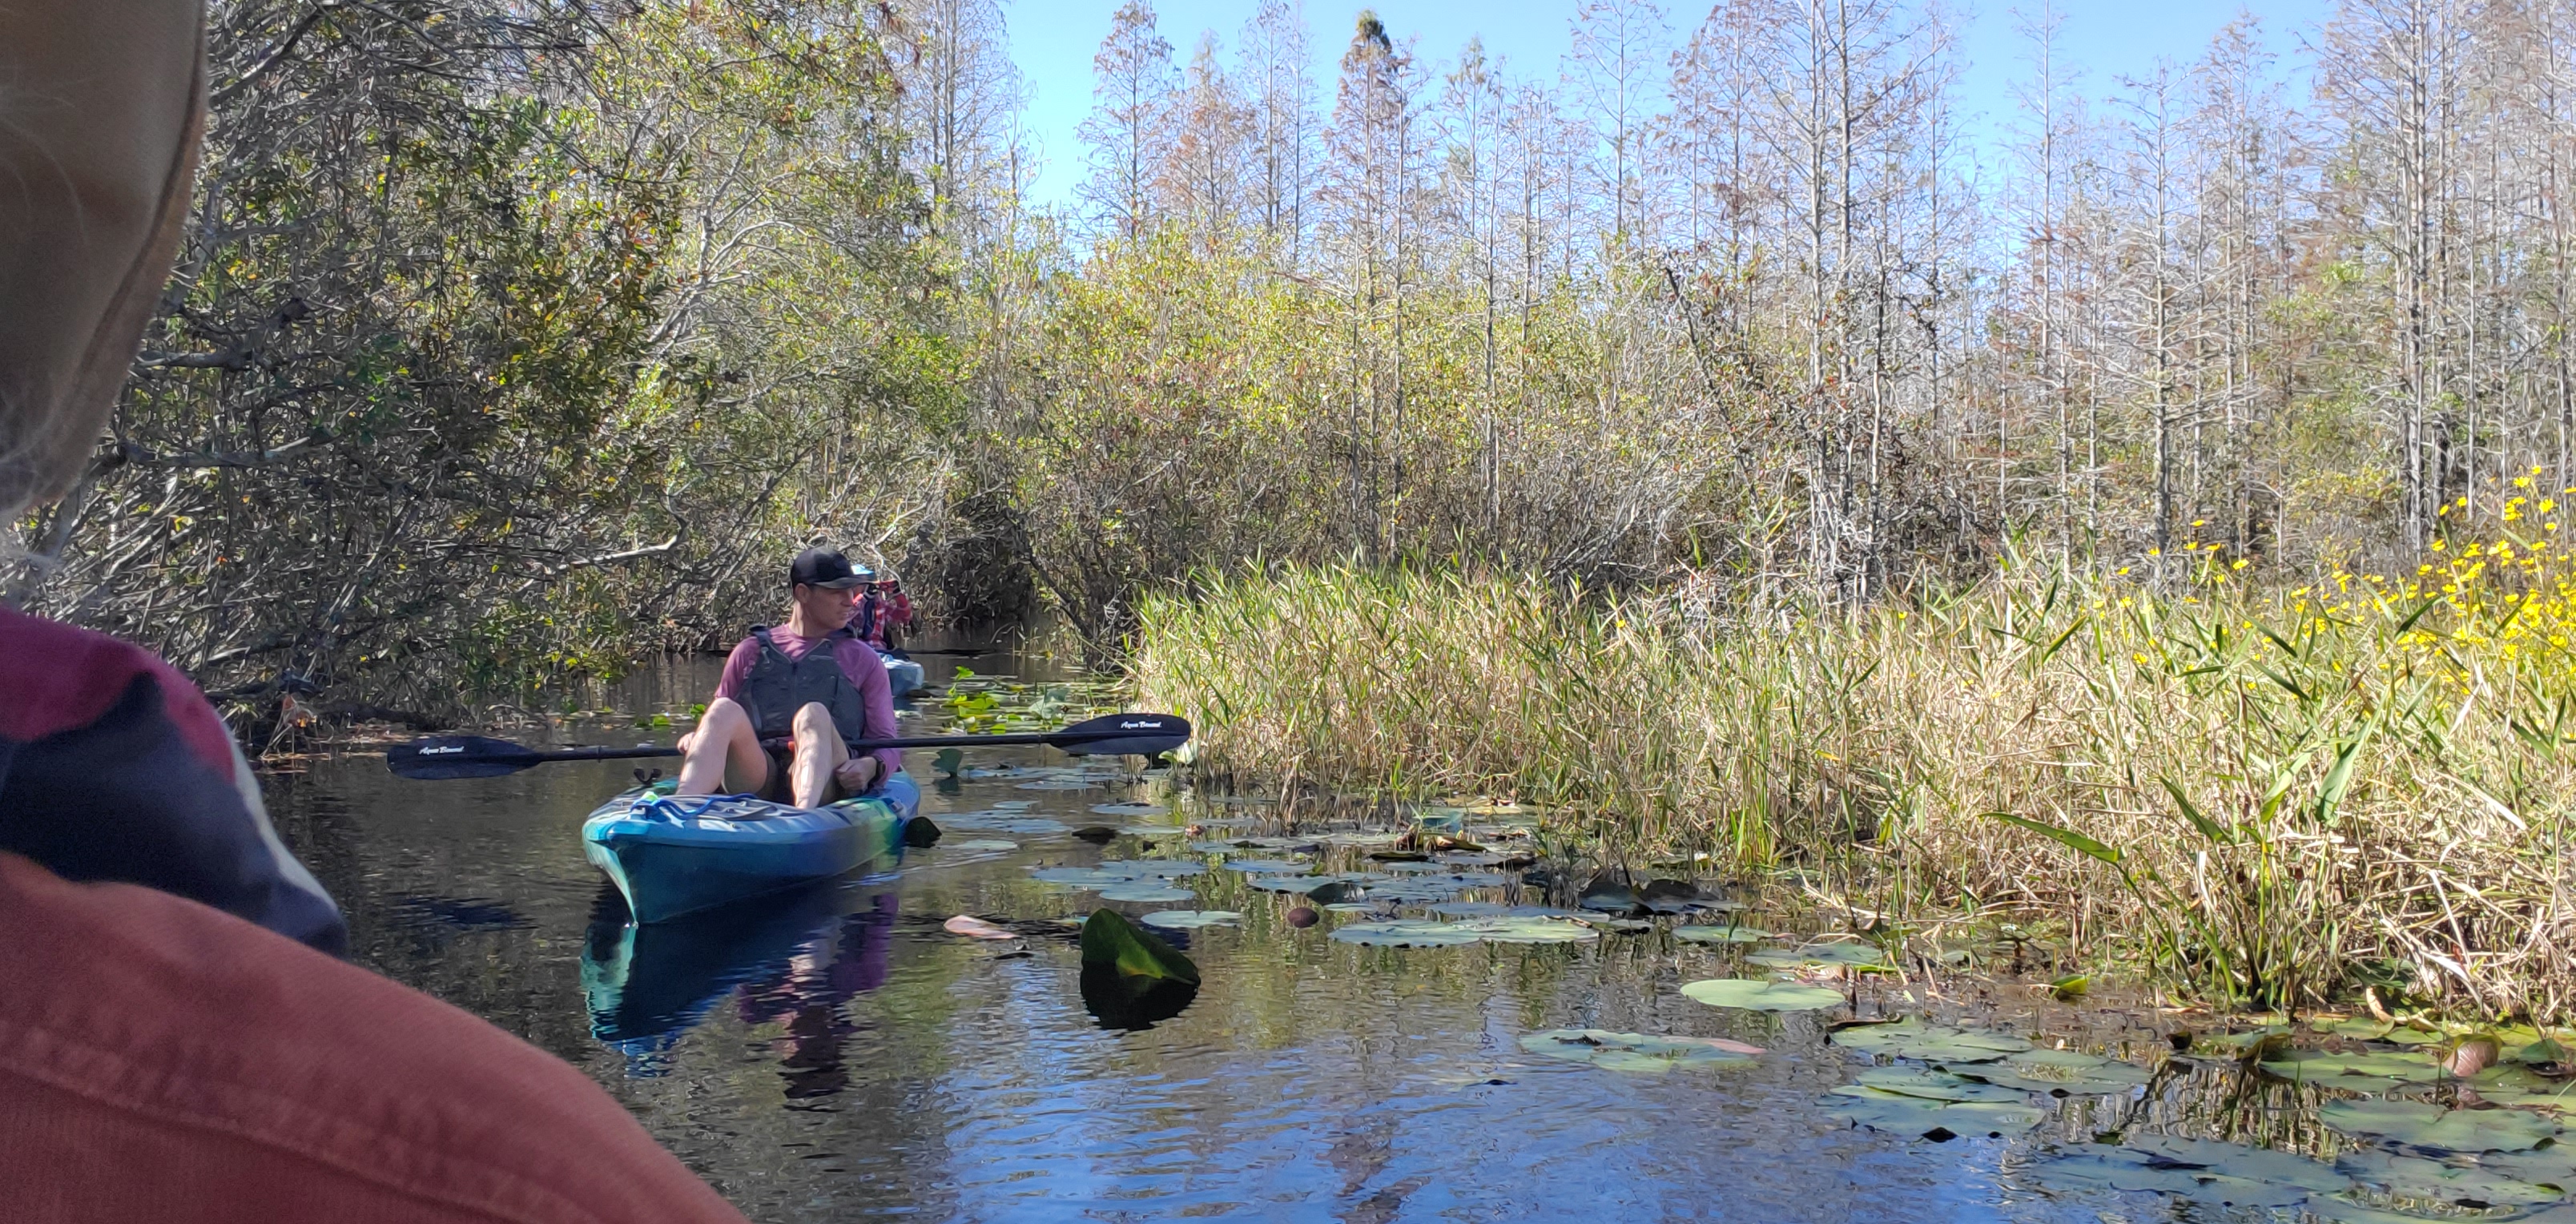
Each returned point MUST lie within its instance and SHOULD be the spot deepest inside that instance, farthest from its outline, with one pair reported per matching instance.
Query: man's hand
(857, 774)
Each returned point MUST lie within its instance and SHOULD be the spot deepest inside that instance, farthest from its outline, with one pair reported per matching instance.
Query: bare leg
(724, 753)
(819, 751)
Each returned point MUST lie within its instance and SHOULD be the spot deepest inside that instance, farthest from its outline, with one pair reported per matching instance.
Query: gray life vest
(779, 686)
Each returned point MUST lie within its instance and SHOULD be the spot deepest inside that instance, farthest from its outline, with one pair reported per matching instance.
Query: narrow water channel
(835, 1054)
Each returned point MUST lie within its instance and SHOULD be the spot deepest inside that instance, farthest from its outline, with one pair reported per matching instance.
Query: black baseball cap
(823, 567)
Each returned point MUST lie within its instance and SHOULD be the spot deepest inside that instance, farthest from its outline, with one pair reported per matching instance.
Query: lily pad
(1404, 933)
(1761, 996)
(2202, 1170)
(1637, 1052)
(1912, 1038)
(2060, 1071)
(1294, 866)
(1937, 1086)
(2354, 1071)
(2416, 1177)
(1619, 926)
(1520, 928)
(1001, 820)
(1190, 920)
(1113, 944)
(1470, 909)
(1720, 934)
(1829, 953)
(1145, 894)
(1129, 809)
(2422, 1125)
(1283, 882)
(1899, 1114)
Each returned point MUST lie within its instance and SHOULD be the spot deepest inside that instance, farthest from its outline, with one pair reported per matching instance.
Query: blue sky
(1052, 41)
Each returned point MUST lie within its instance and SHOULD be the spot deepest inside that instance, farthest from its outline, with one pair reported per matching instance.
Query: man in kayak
(793, 698)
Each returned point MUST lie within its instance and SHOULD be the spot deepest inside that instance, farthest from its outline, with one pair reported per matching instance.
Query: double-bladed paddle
(475, 756)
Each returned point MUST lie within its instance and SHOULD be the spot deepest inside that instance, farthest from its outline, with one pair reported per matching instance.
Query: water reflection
(833, 1054)
(790, 959)
(1133, 1004)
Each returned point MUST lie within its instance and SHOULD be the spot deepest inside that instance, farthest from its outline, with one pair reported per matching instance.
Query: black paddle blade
(1143, 735)
(460, 756)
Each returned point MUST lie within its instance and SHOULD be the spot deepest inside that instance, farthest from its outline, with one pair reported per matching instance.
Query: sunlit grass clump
(2266, 796)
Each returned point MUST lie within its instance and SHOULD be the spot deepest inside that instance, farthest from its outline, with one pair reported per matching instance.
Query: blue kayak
(674, 855)
(903, 675)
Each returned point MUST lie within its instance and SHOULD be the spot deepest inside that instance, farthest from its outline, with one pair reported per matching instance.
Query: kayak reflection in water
(808, 989)
(796, 958)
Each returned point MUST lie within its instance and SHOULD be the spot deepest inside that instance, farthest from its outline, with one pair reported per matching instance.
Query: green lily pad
(2416, 1177)
(1937, 1086)
(1425, 933)
(1404, 933)
(1111, 943)
(1470, 909)
(1130, 809)
(1291, 866)
(1620, 926)
(2202, 1170)
(1832, 953)
(1188, 920)
(1720, 934)
(1281, 882)
(1518, 928)
(2060, 1071)
(2422, 1125)
(1899, 1114)
(1912, 1038)
(1761, 996)
(2354, 1071)
(1637, 1052)
(1145, 894)
(2364, 1028)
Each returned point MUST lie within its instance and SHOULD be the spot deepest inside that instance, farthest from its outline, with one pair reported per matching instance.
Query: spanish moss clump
(2275, 797)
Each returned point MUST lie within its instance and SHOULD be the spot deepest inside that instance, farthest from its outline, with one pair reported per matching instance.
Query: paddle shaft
(908, 741)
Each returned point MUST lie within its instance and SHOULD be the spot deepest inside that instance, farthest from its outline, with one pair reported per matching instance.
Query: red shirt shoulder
(162, 1060)
(56, 678)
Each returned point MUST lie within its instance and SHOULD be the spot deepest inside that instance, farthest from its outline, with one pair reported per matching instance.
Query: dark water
(836, 1055)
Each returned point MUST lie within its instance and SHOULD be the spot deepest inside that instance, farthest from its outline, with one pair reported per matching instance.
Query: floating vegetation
(1113, 944)
(1848, 955)
(1426, 933)
(1116, 873)
(1941, 1043)
(1130, 809)
(1298, 866)
(1637, 1052)
(1146, 894)
(2065, 1072)
(1001, 820)
(1284, 882)
(1929, 1117)
(2422, 1125)
(1720, 934)
(2363, 1071)
(2425, 1178)
(2202, 1170)
(1767, 996)
(1191, 920)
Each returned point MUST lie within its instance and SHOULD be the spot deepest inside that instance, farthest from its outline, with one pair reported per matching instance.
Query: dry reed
(2264, 798)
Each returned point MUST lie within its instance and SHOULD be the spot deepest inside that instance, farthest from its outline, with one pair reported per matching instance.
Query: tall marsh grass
(2265, 797)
